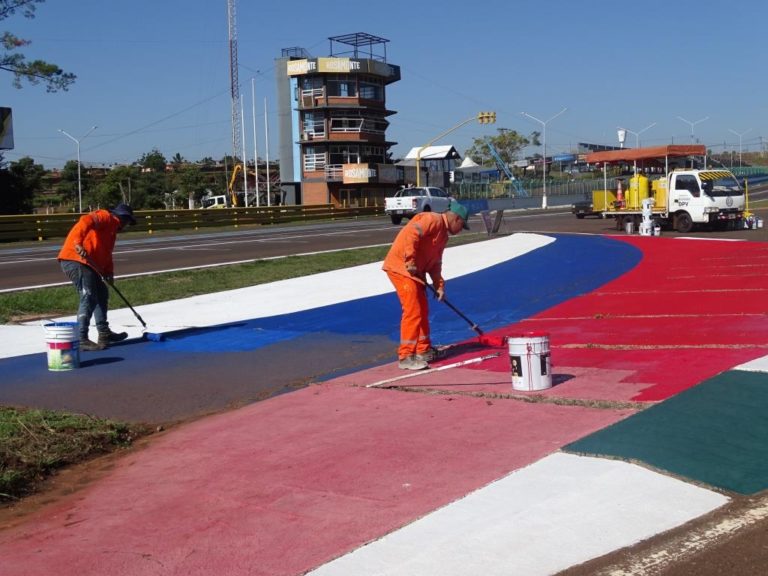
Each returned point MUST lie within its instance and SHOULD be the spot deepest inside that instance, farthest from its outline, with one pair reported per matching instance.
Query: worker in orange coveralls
(85, 257)
(416, 252)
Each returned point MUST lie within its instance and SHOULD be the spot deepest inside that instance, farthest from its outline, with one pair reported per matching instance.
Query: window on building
(341, 85)
(371, 88)
(345, 154)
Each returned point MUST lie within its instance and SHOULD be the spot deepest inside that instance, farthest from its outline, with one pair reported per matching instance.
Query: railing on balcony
(309, 97)
(313, 162)
(334, 172)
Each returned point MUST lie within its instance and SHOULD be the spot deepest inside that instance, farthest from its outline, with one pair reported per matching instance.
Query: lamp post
(481, 117)
(79, 181)
(637, 138)
(692, 124)
(544, 145)
(739, 135)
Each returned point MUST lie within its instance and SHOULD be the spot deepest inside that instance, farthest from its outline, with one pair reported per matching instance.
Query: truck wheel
(683, 223)
(580, 216)
(396, 219)
(427, 208)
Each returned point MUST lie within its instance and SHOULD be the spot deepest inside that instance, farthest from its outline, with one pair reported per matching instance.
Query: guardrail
(45, 226)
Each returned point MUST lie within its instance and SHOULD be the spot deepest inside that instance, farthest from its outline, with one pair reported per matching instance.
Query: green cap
(460, 210)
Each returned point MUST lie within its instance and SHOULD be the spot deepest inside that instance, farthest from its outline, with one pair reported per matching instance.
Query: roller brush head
(153, 337)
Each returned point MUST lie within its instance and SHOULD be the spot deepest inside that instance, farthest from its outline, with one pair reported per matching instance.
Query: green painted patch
(716, 433)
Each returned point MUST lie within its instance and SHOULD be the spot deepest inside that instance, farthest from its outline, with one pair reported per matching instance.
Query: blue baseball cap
(124, 212)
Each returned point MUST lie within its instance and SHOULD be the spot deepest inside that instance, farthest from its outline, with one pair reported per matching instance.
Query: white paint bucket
(530, 361)
(63, 345)
(759, 223)
(629, 227)
(656, 230)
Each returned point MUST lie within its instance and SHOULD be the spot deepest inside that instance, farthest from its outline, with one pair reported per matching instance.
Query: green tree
(507, 142)
(153, 161)
(189, 183)
(15, 62)
(178, 161)
(67, 187)
(19, 183)
(116, 187)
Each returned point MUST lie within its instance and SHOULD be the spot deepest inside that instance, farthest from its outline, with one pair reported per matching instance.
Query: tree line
(150, 183)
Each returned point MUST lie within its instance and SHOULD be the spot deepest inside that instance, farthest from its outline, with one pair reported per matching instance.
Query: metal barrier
(46, 226)
(533, 188)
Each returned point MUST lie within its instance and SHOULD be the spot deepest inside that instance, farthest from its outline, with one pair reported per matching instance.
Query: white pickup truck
(410, 201)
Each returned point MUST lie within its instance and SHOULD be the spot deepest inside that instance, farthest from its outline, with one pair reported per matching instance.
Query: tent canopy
(654, 153)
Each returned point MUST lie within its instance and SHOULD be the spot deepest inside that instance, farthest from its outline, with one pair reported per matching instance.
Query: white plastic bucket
(63, 345)
(629, 227)
(530, 361)
(656, 230)
(759, 223)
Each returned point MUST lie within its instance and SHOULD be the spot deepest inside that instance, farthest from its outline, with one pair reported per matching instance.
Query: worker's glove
(440, 294)
(412, 269)
(81, 251)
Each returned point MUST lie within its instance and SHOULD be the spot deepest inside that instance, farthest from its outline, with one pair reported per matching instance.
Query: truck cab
(704, 197)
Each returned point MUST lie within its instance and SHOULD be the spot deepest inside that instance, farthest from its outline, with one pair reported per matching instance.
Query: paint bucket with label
(629, 227)
(530, 361)
(656, 230)
(63, 345)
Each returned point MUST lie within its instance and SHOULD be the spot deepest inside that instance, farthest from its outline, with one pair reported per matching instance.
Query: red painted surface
(691, 309)
(284, 485)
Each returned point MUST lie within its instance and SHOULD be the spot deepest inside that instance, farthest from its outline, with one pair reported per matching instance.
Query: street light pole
(692, 124)
(79, 181)
(544, 145)
(739, 135)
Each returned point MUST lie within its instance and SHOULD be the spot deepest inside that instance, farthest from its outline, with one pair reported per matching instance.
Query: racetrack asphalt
(452, 471)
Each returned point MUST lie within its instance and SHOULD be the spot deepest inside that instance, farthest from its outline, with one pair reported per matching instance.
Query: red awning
(654, 153)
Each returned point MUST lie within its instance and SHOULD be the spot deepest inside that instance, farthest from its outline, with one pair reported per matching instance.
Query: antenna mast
(234, 82)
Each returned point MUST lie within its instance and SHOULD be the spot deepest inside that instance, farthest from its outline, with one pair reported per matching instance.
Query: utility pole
(234, 83)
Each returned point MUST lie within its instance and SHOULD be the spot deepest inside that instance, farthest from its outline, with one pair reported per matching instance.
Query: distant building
(332, 123)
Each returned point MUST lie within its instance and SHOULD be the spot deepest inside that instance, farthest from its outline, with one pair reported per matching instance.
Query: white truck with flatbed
(408, 202)
(680, 197)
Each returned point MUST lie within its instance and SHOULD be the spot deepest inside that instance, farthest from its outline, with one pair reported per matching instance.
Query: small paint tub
(63, 346)
(530, 362)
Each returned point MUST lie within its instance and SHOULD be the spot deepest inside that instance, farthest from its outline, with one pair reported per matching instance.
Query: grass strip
(62, 300)
(36, 443)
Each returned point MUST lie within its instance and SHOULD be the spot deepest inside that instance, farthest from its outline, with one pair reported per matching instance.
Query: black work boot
(107, 338)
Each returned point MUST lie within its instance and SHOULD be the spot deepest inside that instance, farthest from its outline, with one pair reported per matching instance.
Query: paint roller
(151, 336)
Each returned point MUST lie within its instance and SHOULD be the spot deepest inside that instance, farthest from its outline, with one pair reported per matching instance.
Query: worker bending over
(416, 252)
(86, 258)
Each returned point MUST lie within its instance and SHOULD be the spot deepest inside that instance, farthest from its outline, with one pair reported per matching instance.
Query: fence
(45, 226)
(533, 188)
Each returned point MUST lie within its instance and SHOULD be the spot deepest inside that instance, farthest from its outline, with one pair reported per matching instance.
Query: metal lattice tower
(233, 79)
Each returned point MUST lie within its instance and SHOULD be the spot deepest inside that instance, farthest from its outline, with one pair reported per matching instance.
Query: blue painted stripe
(493, 298)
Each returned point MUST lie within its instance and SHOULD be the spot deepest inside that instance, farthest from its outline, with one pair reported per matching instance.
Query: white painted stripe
(756, 365)
(558, 512)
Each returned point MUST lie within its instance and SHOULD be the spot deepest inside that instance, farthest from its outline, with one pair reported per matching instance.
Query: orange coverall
(420, 242)
(96, 232)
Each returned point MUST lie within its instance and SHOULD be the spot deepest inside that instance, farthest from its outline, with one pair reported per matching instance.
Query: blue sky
(155, 73)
